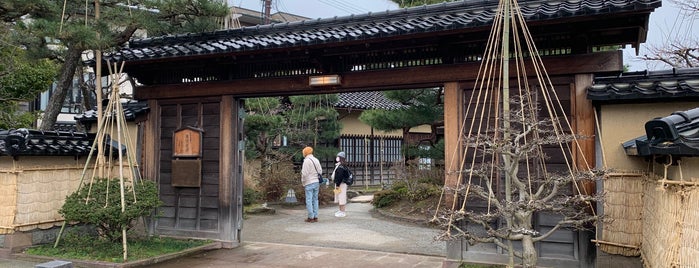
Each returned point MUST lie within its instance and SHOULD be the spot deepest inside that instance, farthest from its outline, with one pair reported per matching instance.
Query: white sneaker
(340, 214)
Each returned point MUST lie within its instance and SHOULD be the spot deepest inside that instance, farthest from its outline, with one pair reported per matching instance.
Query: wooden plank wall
(190, 211)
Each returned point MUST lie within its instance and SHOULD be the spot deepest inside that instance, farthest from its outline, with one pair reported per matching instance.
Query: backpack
(350, 179)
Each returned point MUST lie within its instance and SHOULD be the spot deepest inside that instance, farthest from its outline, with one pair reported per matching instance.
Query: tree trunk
(529, 255)
(85, 91)
(64, 83)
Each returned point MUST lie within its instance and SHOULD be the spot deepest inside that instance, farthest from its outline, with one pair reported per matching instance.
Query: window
(424, 163)
(364, 148)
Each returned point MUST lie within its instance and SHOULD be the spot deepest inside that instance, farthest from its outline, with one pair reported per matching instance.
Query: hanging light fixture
(324, 80)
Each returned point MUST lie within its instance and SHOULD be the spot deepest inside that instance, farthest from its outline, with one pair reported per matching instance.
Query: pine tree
(22, 77)
(63, 30)
(421, 107)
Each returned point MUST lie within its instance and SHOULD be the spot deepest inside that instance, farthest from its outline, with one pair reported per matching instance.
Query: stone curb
(385, 214)
(138, 263)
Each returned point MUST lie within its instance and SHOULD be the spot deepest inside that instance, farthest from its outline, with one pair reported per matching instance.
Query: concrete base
(5, 253)
(609, 260)
(55, 264)
(16, 242)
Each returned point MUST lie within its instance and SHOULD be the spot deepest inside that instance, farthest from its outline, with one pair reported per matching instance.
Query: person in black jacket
(340, 176)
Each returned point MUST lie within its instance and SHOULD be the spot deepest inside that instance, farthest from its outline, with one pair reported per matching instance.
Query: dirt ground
(420, 212)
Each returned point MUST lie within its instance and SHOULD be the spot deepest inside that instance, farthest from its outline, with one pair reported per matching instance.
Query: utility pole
(268, 10)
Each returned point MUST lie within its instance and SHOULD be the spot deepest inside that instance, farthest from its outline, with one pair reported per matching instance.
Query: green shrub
(99, 204)
(250, 196)
(385, 198)
(423, 191)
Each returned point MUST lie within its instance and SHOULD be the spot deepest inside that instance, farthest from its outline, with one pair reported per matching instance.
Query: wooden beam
(424, 76)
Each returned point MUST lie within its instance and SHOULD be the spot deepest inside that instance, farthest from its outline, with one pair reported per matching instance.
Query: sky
(667, 23)
(319, 8)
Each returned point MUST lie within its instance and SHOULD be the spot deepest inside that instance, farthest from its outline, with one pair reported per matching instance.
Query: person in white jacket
(310, 170)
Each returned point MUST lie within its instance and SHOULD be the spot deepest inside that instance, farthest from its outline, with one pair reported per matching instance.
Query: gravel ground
(359, 230)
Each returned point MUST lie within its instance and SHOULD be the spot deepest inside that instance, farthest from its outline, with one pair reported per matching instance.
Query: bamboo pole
(29, 224)
(614, 244)
(506, 113)
(115, 92)
(683, 183)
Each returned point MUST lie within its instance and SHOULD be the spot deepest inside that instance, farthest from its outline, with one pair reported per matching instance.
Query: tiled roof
(366, 100)
(131, 110)
(676, 134)
(416, 20)
(18, 142)
(647, 86)
(65, 126)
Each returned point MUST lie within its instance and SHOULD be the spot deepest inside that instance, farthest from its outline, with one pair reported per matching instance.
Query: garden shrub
(275, 183)
(281, 178)
(423, 191)
(99, 204)
(416, 183)
(325, 194)
(385, 198)
(250, 196)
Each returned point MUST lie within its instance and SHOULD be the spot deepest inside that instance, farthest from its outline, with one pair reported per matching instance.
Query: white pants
(341, 197)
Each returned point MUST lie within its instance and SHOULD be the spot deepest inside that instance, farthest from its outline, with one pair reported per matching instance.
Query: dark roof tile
(422, 19)
(131, 110)
(366, 101)
(18, 142)
(650, 86)
(676, 134)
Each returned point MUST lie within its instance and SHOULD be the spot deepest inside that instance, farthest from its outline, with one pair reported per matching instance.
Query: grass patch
(89, 248)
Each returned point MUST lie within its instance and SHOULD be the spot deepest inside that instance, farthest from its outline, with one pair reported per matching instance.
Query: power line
(350, 5)
(342, 6)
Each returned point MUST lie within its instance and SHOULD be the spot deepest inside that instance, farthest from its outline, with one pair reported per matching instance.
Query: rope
(484, 105)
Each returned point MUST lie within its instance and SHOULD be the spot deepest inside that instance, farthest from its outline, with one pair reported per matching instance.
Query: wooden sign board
(186, 173)
(187, 142)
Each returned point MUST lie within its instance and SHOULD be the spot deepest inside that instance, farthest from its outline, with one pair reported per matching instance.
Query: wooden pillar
(583, 123)
(151, 142)
(226, 179)
(453, 151)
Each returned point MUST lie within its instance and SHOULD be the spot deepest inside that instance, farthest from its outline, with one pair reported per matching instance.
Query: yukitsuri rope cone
(623, 209)
(670, 223)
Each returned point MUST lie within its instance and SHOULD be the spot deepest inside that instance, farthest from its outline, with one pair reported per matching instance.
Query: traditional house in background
(242, 17)
(649, 125)
(134, 114)
(371, 153)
